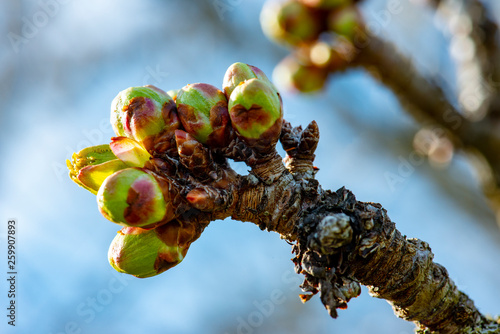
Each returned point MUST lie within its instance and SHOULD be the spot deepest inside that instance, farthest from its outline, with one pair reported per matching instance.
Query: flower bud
(239, 72)
(145, 253)
(132, 197)
(203, 112)
(92, 165)
(143, 113)
(291, 22)
(256, 114)
(294, 75)
(345, 21)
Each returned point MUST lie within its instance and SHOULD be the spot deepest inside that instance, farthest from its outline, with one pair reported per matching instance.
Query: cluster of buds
(168, 162)
(321, 34)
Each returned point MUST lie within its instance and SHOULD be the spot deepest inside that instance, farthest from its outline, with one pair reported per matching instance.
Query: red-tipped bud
(145, 253)
(173, 93)
(143, 114)
(132, 197)
(240, 72)
(201, 199)
(203, 112)
(256, 114)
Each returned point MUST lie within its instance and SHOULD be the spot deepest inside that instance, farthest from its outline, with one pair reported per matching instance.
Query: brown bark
(342, 242)
(476, 129)
(394, 268)
(339, 242)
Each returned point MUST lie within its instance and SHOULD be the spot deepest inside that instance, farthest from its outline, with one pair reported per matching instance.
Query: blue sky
(57, 86)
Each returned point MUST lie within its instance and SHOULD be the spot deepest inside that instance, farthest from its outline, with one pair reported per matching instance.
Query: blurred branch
(475, 48)
(426, 101)
(422, 98)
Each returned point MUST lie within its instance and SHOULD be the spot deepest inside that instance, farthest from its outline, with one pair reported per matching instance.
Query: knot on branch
(325, 239)
(321, 276)
(333, 232)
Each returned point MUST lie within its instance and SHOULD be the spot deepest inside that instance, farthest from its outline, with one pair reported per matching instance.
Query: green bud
(294, 75)
(92, 165)
(239, 72)
(132, 197)
(203, 113)
(93, 155)
(325, 4)
(291, 22)
(256, 113)
(145, 253)
(143, 113)
(345, 21)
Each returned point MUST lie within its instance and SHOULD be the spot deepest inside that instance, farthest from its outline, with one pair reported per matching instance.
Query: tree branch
(395, 268)
(422, 98)
(339, 242)
(167, 194)
(426, 102)
(347, 42)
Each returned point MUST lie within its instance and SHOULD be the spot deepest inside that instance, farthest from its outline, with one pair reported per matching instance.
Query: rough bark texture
(395, 268)
(339, 242)
(475, 46)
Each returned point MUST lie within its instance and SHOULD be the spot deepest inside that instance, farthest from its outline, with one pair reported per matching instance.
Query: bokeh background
(61, 64)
